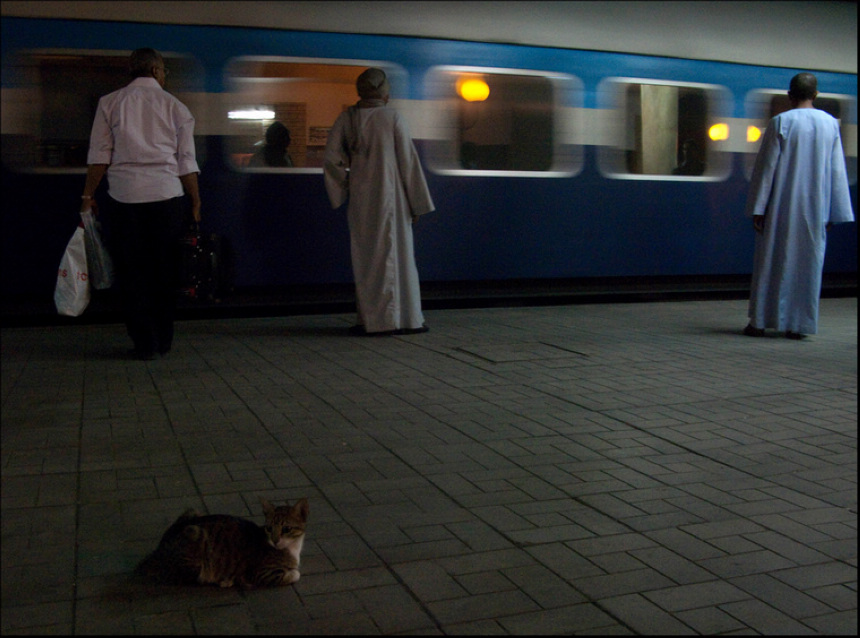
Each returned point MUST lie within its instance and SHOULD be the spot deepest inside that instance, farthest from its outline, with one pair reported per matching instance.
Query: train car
(560, 158)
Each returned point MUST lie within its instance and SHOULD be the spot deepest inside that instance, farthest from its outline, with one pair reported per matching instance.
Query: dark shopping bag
(201, 268)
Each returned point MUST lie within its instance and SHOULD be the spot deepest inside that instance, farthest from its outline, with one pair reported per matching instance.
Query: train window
(503, 122)
(663, 130)
(54, 100)
(764, 104)
(305, 96)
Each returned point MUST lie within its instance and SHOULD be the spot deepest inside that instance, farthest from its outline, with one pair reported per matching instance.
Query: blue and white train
(559, 157)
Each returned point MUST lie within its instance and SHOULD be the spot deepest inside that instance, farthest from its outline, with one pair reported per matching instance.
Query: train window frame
(234, 99)
(758, 108)
(444, 142)
(27, 99)
(614, 124)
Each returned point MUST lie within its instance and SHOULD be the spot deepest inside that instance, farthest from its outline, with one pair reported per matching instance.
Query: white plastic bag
(99, 263)
(72, 293)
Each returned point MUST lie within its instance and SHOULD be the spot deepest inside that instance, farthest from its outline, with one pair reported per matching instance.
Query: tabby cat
(228, 550)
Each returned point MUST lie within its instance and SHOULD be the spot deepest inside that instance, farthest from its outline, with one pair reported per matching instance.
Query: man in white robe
(798, 189)
(370, 160)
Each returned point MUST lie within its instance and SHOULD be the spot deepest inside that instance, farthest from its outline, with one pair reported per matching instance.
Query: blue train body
(282, 231)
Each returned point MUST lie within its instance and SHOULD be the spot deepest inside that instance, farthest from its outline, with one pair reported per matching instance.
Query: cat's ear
(302, 509)
(268, 508)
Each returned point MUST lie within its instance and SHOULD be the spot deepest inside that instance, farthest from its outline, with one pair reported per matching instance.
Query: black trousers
(144, 239)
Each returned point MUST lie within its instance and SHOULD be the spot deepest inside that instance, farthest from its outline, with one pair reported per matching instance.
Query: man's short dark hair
(141, 61)
(804, 86)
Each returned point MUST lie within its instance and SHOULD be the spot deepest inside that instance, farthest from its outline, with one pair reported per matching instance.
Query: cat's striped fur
(228, 550)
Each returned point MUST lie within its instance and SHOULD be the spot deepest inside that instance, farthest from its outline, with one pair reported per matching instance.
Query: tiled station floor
(638, 468)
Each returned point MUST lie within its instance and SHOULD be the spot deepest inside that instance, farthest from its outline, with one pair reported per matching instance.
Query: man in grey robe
(798, 189)
(370, 160)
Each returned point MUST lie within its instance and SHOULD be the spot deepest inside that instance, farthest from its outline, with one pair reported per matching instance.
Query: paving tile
(564, 561)
(746, 563)
(394, 610)
(684, 544)
(481, 607)
(470, 563)
(475, 628)
(620, 583)
(842, 623)
(584, 618)
(549, 534)
(679, 598)
(422, 551)
(616, 562)
(345, 580)
(733, 546)
(217, 619)
(710, 621)
(670, 564)
(644, 617)
(732, 527)
(429, 581)
(798, 553)
(839, 597)
(346, 624)
(55, 617)
(502, 518)
(543, 586)
(765, 619)
(611, 506)
(780, 596)
(610, 543)
(479, 536)
(319, 606)
(485, 582)
(819, 575)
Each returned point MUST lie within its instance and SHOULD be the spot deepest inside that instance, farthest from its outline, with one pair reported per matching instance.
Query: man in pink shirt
(143, 139)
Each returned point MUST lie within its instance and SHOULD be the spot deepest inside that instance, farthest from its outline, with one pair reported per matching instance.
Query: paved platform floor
(591, 469)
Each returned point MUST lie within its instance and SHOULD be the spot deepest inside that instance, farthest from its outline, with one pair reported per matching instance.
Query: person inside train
(798, 189)
(691, 160)
(371, 161)
(274, 150)
(469, 155)
(143, 140)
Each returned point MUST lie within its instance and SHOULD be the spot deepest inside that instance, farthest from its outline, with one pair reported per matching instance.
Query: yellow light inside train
(753, 133)
(473, 89)
(719, 132)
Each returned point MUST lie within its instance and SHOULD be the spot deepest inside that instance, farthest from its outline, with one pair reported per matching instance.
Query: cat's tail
(166, 563)
(165, 569)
